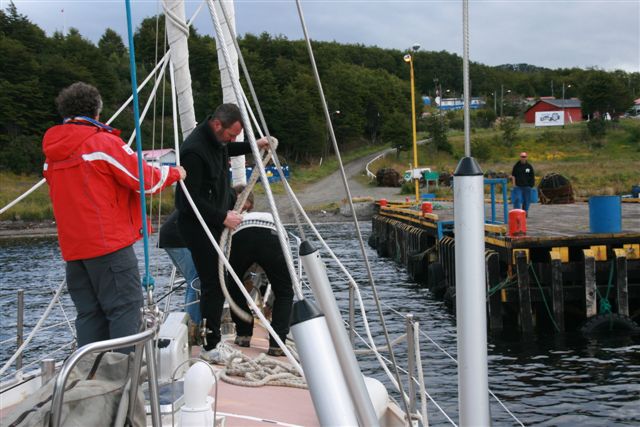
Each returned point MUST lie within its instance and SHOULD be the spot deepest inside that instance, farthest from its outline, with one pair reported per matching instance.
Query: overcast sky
(548, 33)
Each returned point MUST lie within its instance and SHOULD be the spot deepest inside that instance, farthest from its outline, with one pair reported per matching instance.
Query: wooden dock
(558, 276)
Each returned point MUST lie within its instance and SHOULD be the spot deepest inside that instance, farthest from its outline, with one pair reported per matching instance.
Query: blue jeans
(521, 198)
(181, 258)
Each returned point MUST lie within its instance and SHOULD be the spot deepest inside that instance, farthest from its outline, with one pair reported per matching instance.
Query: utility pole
(501, 98)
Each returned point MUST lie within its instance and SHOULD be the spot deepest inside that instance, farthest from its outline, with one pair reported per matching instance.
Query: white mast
(177, 35)
(228, 96)
(468, 202)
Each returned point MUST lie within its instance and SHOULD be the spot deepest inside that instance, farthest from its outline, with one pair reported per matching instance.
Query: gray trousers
(107, 293)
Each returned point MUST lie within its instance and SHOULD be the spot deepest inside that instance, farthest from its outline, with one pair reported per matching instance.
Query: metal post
(135, 379)
(411, 355)
(47, 370)
(470, 285)
(154, 400)
(501, 99)
(20, 327)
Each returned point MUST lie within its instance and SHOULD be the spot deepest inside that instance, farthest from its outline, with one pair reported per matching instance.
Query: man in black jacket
(523, 179)
(205, 156)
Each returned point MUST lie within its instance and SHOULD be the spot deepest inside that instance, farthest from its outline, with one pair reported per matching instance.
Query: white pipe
(317, 275)
(327, 384)
(471, 316)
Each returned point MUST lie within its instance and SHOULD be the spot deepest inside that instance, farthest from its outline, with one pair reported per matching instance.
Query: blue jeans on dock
(181, 258)
(521, 198)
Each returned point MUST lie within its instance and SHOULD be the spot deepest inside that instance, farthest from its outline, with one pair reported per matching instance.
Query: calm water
(549, 381)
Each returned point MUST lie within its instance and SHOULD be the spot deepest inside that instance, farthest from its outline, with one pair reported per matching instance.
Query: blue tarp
(272, 173)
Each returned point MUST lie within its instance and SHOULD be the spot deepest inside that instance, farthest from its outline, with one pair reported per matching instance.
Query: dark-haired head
(79, 99)
(227, 114)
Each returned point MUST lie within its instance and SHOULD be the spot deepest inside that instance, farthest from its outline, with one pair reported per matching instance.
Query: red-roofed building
(572, 109)
(166, 156)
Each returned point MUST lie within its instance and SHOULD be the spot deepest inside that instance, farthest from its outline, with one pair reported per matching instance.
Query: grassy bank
(37, 205)
(594, 167)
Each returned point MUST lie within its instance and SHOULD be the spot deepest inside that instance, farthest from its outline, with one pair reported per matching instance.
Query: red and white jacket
(95, 190)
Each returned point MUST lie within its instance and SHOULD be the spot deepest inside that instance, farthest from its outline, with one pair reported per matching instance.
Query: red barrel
(426, 207)
(517, 223)
(383, 202)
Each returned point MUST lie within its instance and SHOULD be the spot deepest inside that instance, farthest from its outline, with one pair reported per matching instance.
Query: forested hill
(367, 88)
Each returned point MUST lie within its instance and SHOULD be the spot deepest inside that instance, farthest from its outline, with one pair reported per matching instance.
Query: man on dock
(523, 180)
(93, 184)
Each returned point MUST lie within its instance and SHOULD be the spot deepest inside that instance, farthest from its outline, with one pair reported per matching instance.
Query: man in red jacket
(94, 188)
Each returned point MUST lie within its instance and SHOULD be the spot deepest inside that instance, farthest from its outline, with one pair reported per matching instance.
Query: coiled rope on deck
(244, 371)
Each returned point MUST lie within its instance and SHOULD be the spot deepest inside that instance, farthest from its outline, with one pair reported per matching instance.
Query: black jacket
(206, 161)
(524, 174)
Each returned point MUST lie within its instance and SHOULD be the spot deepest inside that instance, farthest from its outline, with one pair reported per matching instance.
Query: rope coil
(243, 371)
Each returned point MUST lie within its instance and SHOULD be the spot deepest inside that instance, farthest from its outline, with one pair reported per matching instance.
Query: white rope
(152, 97)
(260, 420)
(34, 330)
(64, 313)
(261, 371)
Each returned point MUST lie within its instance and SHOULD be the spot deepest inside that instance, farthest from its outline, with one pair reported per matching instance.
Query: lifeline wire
(348, 191)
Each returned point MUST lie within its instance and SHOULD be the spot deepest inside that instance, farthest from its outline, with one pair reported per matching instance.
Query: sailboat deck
(268, 404)
(274, 405)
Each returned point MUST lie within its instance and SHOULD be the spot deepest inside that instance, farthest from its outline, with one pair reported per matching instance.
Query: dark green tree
(436, 126)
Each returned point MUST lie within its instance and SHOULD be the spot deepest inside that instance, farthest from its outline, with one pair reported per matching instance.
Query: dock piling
(522, 270)
(622, 287)
(591, 303)
(556, 287)
(493, 278)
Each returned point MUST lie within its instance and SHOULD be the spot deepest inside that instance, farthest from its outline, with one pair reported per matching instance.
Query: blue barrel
(605, 214)
(534, 195)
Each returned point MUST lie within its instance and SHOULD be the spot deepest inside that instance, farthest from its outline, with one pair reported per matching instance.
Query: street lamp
(408, 58)
(564, 118)
(502, 98)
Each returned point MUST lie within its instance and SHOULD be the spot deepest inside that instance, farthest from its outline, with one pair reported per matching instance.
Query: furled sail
(238, 173)
(177, 34)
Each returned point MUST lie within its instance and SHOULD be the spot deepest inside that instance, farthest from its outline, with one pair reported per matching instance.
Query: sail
(238, 173)
(177, 34)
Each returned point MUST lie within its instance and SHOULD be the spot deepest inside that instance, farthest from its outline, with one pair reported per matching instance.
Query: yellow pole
(413, 128)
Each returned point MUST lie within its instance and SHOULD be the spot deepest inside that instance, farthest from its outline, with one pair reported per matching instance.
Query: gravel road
(331, 189)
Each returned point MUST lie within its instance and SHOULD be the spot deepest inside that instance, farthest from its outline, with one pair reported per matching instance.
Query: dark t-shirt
(524, 174)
